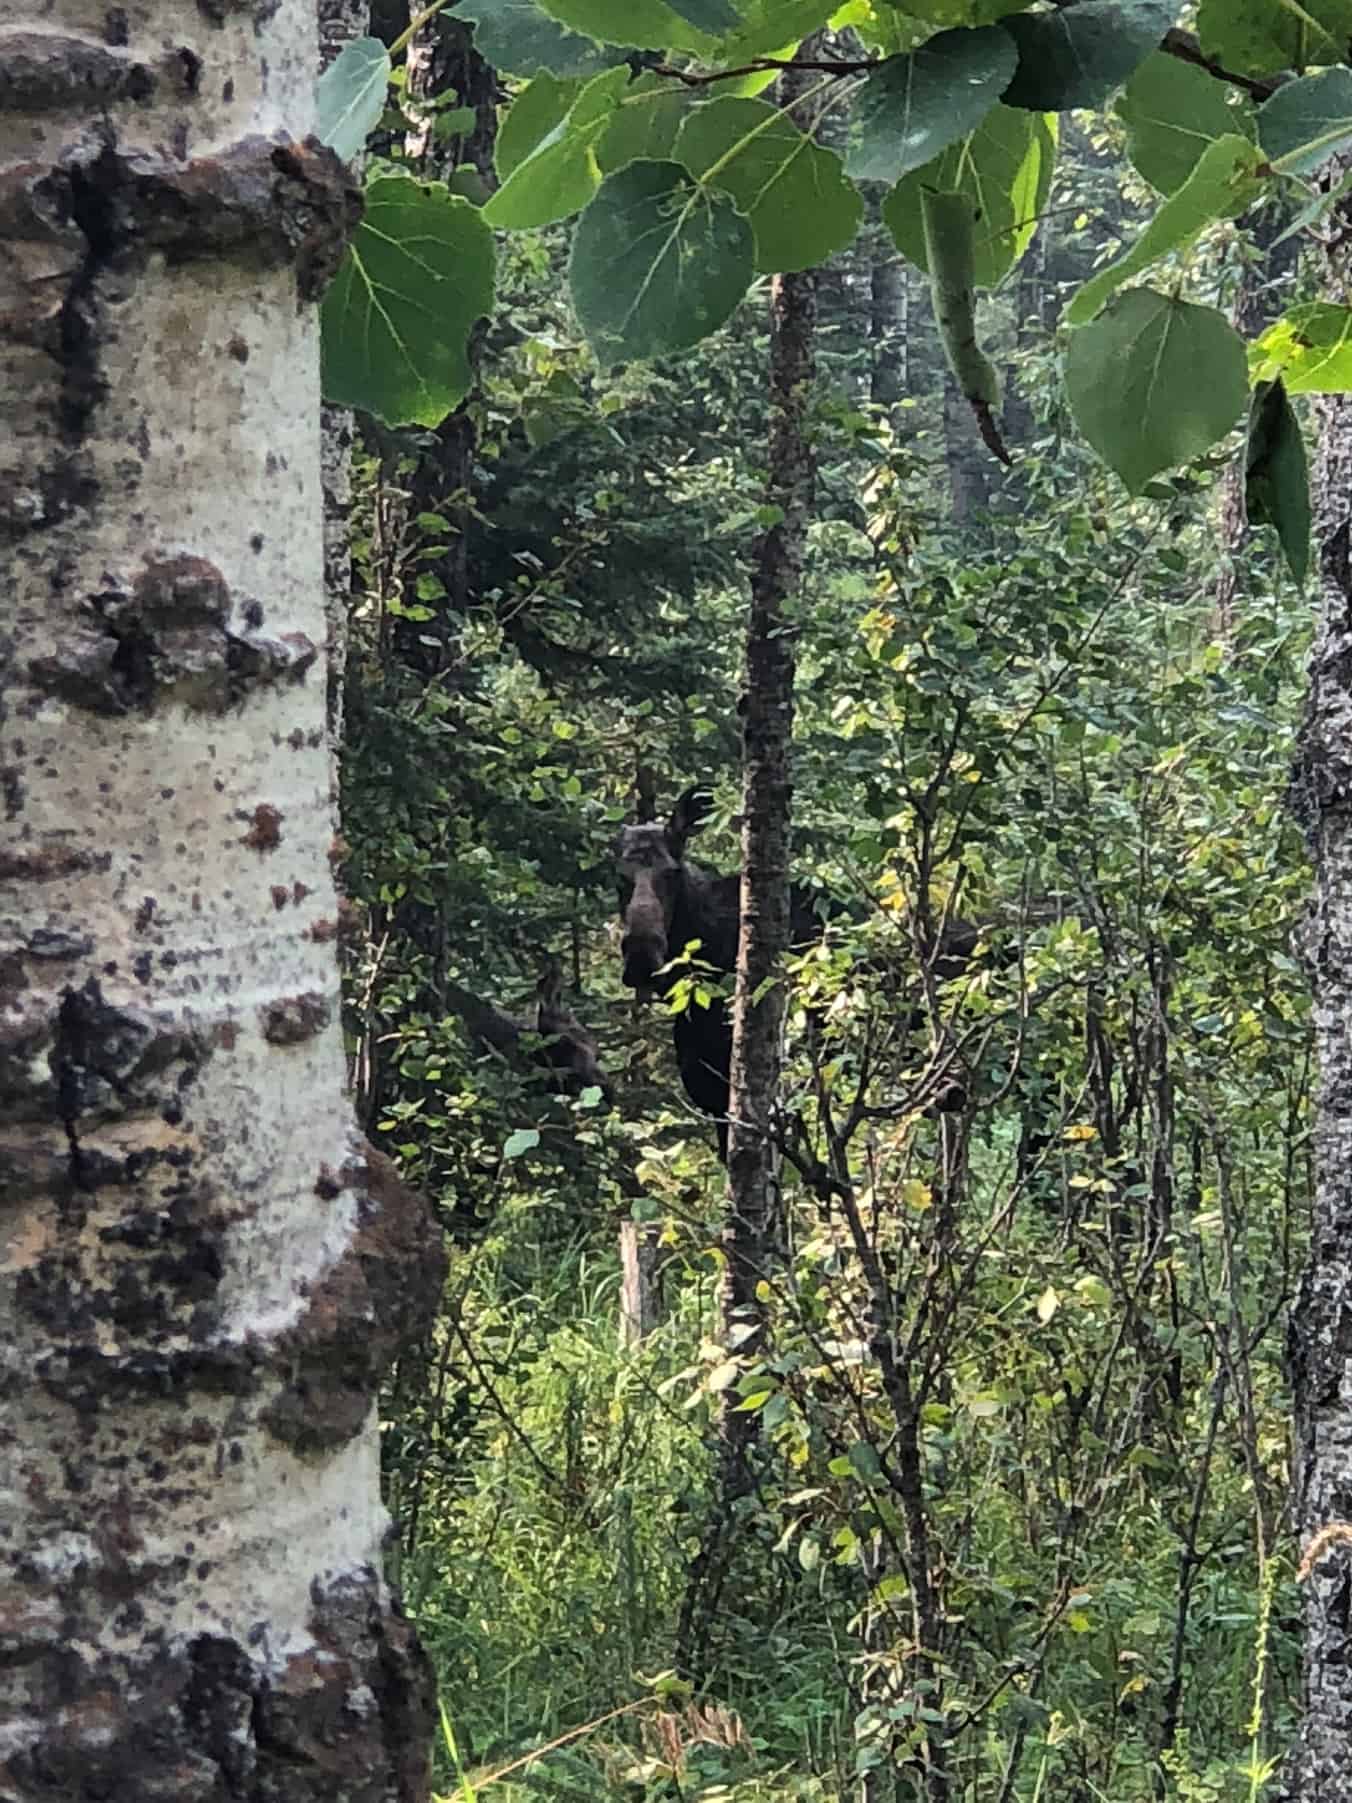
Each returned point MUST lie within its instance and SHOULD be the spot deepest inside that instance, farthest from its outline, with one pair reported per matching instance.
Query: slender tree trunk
(968, 460)
(1322, 795)
(888, 299)
(758, 997)
(767, 727)
(202, 1271)
(340, 21)
(443, 61)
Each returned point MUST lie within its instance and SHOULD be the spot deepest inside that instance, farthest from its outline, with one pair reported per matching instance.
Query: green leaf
(517, 38)
(801, 208)
(1078, 57)
(1172, 110)
(864, 1462)
(1262, 37)
(1004, 168)
(657, 263)
(397, 317)
(1154, 381)
(912, 107)
(645, 123)
(645, 24)
(541, 105)
(525, 1139)
(1307, 121)
(773, 27)
(560, 175)
(350, 96)
(1277, 486)
(963, 12)
(1310, 348)
(455, 122)
(1224, 182)
(711, 16)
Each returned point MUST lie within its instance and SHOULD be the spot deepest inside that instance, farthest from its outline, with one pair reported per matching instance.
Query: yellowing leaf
(916, 1194)
(1081, 1132)
(1047, 1304)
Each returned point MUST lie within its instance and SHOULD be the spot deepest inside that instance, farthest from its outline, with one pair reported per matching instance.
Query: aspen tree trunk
(758, 996)
(203, 1271)
(1320, 1770)
(767, 789)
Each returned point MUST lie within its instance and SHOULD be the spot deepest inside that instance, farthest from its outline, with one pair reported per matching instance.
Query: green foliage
(1082, 57)
(351, 96)
(397, 316)
(1259, 37)
(517, 37)
(792, 193)
(1142, 346)
(676, 169)
(911, 108)
(1308, 121)
(1310, 348)
(1005, 169)
(1277, 491)
(658, 261)
(1223, 182)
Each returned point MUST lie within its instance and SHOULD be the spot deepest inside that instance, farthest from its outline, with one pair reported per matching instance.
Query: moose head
(666, 902)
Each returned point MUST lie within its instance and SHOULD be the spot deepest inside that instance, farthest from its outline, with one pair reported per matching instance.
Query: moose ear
(688, 815)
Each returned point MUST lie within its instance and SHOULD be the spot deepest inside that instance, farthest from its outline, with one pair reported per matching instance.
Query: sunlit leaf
(397, 317)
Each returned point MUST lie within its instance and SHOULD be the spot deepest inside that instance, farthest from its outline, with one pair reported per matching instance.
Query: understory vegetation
(1022, 1419)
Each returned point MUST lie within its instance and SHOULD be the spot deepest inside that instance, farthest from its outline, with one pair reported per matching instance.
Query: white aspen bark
(200, 1264)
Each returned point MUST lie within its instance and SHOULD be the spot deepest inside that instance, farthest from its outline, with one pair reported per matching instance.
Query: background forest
(1081, 1169)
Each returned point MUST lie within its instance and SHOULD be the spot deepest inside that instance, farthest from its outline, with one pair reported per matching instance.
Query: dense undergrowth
(1077, 1450)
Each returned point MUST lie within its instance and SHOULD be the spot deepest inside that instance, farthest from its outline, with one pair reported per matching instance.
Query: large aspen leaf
(801, 208)
(1172, 111)
(398, 315)
(658, 262)
(1005, 169)
(913, 107)
(350, 96)
(1077, 57)
(1154, 382)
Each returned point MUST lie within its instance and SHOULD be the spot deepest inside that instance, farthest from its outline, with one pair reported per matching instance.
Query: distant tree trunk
(442, 60)
(968, 460)
(203, 1270)
(889, 299)
(758, 996)
(1322, 795)
(640, 1297)
(340, 21)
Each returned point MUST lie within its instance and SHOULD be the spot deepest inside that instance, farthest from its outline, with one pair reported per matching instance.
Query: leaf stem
(405, 38)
